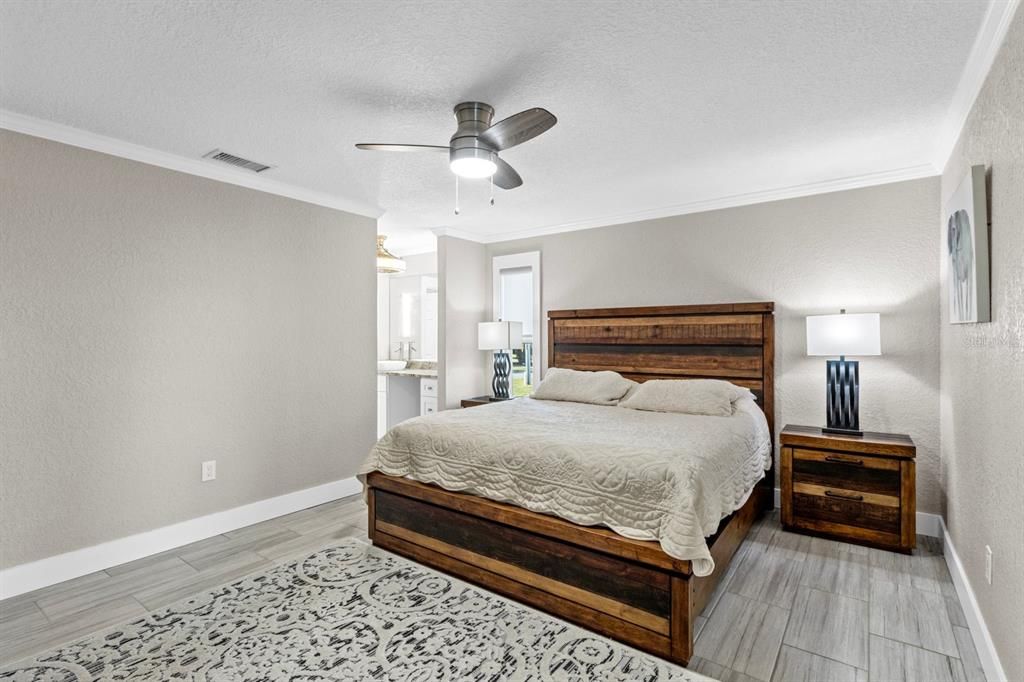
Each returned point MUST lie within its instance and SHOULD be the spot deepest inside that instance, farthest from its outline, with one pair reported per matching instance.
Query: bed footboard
(625, 589)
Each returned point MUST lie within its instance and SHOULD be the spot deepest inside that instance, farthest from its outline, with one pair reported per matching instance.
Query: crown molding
(458, 234)
(987, 44)
(419, 252)
(924, 170)
(76, 137)
(983, 54)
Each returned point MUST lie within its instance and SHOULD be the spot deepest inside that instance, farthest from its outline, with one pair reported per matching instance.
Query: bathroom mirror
(412, 317)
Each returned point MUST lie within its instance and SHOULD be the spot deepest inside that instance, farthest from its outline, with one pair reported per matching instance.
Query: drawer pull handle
(843, 496)
(843, 460)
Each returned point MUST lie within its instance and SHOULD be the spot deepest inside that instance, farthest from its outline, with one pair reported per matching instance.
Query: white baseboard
(52, 570)
(979, 631)
(31, 576)
(927, 524)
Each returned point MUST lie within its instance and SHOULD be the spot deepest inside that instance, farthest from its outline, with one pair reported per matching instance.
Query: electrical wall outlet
(209, 470)
(988, 564)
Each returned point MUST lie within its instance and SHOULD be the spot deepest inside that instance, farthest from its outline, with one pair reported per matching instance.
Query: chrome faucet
(405, 349)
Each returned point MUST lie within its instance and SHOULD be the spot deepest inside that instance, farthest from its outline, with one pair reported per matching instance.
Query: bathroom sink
(390, 365)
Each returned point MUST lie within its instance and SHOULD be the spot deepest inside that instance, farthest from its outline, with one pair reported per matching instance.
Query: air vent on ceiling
(237, 161)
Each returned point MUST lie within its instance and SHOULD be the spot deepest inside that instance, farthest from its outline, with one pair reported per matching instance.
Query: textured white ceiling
(659, 103)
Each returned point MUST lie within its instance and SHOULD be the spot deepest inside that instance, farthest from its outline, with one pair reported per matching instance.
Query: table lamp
(499, 337)
(842, 335)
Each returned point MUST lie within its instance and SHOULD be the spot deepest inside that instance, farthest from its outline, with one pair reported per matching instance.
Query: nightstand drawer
(846, 488)
(833, 504)
(873, 476)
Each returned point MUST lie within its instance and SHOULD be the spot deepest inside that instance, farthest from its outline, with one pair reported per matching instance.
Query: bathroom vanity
(405, 393)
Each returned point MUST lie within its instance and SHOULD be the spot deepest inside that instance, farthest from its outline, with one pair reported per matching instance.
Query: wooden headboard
(732, 341)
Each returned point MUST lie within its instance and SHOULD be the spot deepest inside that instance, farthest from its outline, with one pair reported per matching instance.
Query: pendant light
(387, 262)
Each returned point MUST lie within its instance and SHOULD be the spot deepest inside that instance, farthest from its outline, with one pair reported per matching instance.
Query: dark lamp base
(842, 403)
(502, 371)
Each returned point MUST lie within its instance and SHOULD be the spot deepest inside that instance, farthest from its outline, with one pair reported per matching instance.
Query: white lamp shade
(837, 335)
(499, 335)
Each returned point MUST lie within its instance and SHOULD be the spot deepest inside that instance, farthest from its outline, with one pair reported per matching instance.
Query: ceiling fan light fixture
(387, 262)
(473, 149)
(473, 163)
(473, 168)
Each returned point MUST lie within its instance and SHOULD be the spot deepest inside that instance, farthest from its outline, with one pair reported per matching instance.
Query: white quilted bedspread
(645, 475)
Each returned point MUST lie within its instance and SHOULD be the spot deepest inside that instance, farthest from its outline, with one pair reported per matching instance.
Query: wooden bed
(628, 590)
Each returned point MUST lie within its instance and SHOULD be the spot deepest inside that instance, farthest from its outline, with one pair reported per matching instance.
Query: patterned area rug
(348, 612)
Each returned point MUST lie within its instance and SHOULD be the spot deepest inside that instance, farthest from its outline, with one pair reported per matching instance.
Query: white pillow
(597, 388)
(710, 397)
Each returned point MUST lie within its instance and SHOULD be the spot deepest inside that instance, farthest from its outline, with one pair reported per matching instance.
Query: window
(516, 290)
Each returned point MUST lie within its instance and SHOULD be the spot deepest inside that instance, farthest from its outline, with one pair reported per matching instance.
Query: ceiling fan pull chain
(456, 195)
(491, 178)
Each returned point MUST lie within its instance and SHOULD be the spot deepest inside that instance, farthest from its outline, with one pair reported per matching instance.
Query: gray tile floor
(796, 608)
(790, 607)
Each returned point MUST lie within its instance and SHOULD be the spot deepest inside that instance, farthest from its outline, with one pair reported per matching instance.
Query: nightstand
(482, 400)
(860, 489)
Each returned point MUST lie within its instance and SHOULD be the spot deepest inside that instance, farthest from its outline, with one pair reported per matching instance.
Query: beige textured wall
(463, 273)
(983, 366)
(866, 250)
(152, 320)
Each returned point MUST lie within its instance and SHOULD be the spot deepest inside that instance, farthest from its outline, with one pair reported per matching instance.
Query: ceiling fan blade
(402, 147)
(506, 177)
(518, 128)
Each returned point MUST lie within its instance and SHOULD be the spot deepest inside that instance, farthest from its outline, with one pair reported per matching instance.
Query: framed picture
(967, 250)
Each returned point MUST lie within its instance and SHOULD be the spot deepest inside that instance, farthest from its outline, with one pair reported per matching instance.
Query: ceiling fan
(473, 149)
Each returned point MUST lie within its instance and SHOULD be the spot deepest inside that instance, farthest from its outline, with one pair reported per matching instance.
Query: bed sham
(570, 385)
(709, 397)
